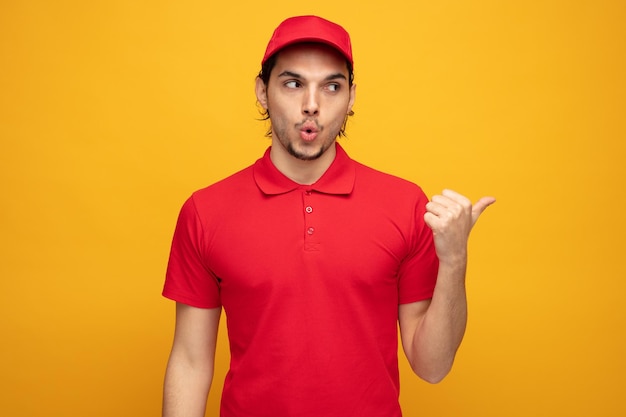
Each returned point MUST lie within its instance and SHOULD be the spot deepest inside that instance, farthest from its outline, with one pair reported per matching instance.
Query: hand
(451, 217)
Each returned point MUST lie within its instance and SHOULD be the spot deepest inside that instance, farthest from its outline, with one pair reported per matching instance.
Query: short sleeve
(418, 271)
(188, 280)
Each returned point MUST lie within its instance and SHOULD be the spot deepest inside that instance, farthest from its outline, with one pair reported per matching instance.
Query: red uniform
(310, 278)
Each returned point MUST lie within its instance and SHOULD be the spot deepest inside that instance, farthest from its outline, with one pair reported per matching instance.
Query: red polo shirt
(310, 278)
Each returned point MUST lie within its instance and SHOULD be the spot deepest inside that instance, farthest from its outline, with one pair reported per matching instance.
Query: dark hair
(264, 75)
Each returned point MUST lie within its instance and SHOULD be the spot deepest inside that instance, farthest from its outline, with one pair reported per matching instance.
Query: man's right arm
(190, 367)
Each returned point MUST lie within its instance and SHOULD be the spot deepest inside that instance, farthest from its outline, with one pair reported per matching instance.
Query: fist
(451, 217)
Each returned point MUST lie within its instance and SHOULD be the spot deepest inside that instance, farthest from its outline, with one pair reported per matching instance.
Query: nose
(310, 105)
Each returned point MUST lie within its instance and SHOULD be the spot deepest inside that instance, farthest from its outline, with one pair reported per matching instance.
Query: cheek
(340, 110)
(281, 108)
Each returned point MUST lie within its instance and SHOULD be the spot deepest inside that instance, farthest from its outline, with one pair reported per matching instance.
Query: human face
(308, 97)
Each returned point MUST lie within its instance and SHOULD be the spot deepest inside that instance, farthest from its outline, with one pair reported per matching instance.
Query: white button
(309, 209)
(310, 230)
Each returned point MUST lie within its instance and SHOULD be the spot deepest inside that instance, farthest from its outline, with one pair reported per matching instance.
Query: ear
(352, 98)
(261, 92)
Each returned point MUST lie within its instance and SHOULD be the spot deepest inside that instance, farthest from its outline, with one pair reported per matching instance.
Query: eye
(292, 84)
(333, 87)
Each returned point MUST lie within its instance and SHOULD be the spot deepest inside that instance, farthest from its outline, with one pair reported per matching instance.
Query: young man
(315, 259)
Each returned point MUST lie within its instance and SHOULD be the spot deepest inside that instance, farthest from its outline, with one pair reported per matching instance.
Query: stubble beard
(291, 149)
(304, 157)
(290, 146)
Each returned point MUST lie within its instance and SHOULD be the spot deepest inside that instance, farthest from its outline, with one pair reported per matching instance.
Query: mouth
(308, 131)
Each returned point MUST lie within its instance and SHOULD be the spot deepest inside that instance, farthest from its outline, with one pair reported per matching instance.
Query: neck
(303, 172)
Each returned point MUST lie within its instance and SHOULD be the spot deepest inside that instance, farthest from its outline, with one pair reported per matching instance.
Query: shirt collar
(338, 178)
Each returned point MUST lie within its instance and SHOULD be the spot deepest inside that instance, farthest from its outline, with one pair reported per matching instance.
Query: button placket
(310, 221)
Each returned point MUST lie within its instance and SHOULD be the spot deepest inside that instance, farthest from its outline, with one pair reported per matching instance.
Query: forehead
(311, 56)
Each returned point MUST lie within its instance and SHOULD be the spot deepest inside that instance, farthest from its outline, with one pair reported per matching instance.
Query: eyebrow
(336, 76)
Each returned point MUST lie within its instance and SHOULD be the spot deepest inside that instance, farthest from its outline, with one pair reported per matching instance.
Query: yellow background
(113, 112)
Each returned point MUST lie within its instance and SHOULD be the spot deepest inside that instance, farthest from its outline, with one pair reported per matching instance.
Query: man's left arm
(432, 330)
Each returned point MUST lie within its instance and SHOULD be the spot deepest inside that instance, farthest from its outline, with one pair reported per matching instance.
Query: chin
(312, 155)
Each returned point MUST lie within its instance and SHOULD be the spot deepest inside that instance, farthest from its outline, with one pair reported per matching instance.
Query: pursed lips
(309, 130)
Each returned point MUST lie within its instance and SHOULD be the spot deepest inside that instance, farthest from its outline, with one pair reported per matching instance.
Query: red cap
(309, 29)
